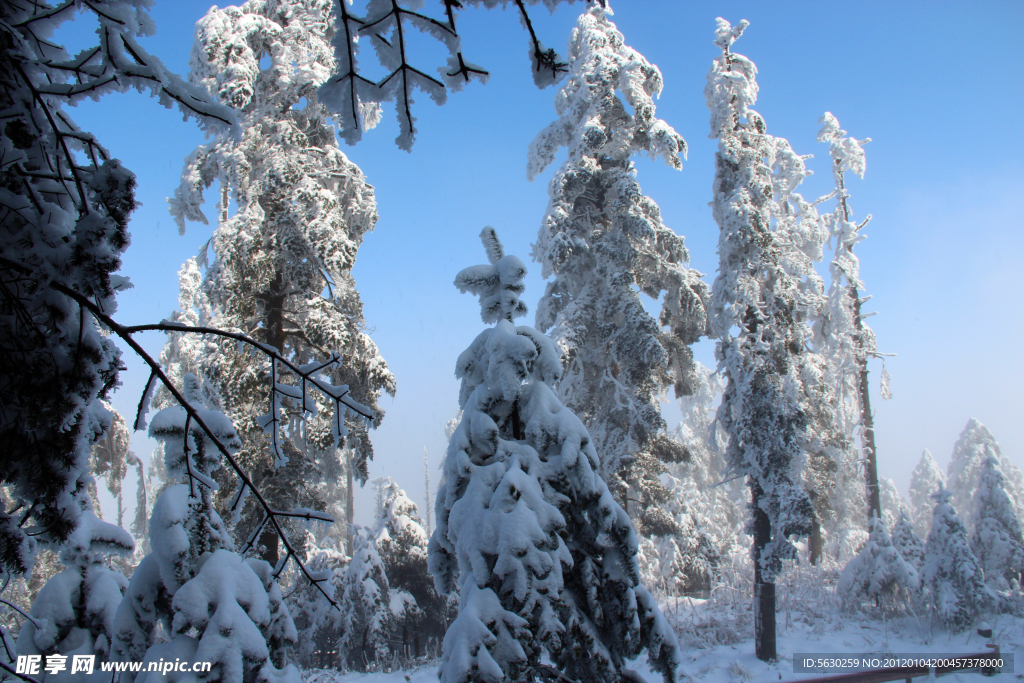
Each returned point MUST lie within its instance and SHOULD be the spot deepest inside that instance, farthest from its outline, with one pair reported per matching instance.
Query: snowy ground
(798, 631)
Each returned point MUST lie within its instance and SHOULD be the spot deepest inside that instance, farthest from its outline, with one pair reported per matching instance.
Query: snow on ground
(798, 631)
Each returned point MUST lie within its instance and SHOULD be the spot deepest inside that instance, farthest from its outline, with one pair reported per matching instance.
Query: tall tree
(283, 261)
(997, 539)
(542, 556)
(975, 445)
(925, 480)
(603, 242)
(755, 305)
(64, 207)
(952, 573)
(849, 342)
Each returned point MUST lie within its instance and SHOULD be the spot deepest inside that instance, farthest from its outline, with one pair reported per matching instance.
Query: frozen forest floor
(718, 646)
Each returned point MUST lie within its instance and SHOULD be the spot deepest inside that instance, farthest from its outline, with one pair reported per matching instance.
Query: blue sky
(936, 85)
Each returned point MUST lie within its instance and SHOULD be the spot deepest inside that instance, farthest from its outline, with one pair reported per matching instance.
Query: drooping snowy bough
(542, 556)
(603, 243)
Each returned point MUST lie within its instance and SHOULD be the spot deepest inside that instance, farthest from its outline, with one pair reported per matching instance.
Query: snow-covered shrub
(73, 614)
(878, 574)
(542, 556)
(952, 572)
(997, 540)
(214, 605)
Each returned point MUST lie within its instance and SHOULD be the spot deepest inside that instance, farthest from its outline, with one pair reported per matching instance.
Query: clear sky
(937, 85)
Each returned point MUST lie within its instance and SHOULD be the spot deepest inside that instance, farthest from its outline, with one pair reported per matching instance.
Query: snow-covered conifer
(907, 542)
(997, 539)
(892, 501)
(542, 556)
(975, 445)
(603, 242)
(925, 480)
(952, 573)
(283, 262)
(841, 333)
(214, 605)
(755, 308)
(317, 622)
(73, 614)
(420, 614)
(62, 232)
(878, 573)
(366, 609)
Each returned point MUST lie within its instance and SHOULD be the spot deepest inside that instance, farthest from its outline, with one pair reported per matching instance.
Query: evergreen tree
(214, 605)
(317, 622)
(366, 605)
(73, 614)
(420, 614)
(847, 340)
(878, 573)
(302, 211)
(907, 542)
(604, 243)
(542, 556)
(997, 540)
(926, 479)
(952, 572)
(975, 445)
(64, 221)
(755, 306)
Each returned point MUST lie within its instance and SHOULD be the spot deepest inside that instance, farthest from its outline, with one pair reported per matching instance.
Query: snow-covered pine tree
(952, 572)
(907, 542)
(302, 211)
(73, 614)
(925, 480)
(603, 242)
(213, 605)
(63, 229)
(975, 445)
(366, 609)
(997, 540)
(892, 501)
(878, 573)
(755, 306)
(420, 614)
(542, 556)
(844, 336)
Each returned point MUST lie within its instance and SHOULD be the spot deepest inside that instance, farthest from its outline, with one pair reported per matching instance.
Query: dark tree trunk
(350, 502)
(764, 590)
(814, 542)
(275, 336)
(867, 419)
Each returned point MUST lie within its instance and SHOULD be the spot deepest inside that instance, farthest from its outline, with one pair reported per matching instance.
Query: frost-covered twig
(352, 96)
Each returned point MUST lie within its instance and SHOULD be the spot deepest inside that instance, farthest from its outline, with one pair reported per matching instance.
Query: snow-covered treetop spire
(847, 153)
(499, 284)
(732, 84)
(592, 119)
